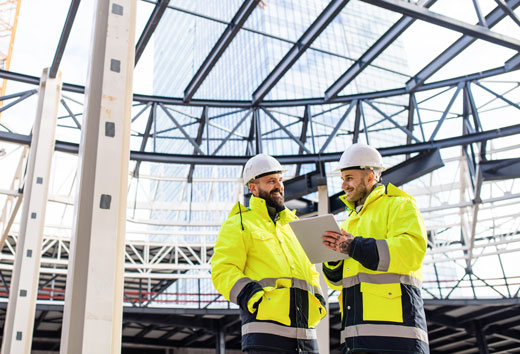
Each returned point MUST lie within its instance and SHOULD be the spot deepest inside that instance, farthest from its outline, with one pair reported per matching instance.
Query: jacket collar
(374, 194)
(259, 206)
(380, 190)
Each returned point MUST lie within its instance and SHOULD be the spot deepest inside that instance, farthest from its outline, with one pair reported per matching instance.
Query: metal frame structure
(486, 180)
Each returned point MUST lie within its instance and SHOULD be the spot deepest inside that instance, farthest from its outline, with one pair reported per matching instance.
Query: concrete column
(18, 328)
(323, 327)
(94, 294)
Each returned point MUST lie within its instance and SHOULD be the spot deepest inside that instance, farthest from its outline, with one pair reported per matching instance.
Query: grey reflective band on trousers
(383, 278)
(279, 330)
(383, 331)
(384, 255)
(237, 288)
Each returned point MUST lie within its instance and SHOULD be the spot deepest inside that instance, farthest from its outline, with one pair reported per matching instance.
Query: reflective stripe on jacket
(263, 262)
(380, 300)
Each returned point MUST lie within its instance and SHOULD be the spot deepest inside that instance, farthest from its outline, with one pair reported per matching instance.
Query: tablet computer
(309, 232)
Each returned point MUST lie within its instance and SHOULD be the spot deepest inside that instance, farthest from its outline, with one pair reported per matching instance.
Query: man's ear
(371, 176)
(253, 189)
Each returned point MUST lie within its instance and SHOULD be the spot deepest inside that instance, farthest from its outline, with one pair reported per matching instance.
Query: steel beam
(457, 47)
(150, 27)
(186, 135)
(481, 19)
(512, 64)
(151, 119)
(419, 12)
(334, 132)
(248, 113)
(302, 185)
(218, 49)
(202, 125)
(71, 15)
(373, 52)
(287, 131)
(387, 117)
(304, 42)
(284, 159)
(446, 111)
(20, 99)
(303, 135)
(508, 11)
(414, 168)
(497, 170)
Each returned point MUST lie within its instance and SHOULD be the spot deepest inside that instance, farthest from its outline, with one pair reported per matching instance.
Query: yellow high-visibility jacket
(261, 266)
(380, 300)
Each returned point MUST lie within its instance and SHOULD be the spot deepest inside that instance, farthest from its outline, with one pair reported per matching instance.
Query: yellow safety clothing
(380, 300)
(260, 265)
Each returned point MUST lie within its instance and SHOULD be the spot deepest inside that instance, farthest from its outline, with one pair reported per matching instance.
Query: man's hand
(338, 242)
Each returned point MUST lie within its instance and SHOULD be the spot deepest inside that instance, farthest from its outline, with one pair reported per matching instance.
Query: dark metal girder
(493, 170)
(508, 11)
(457, 47)
(67, 147)
(150, 27)
(202, 124)
(302, 185)
(419, 12)
(373, 52)
(304, 42)
(71, 15)
(218, 49)
(414, 168)
(512, 64)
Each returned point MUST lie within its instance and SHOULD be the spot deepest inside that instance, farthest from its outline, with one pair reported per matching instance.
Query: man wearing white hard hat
(259, 265)
(380, 284)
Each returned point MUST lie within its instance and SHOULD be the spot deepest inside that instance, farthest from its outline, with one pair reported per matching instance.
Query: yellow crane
(9, 11)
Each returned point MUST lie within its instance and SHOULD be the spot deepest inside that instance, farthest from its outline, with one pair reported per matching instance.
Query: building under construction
(125, 125)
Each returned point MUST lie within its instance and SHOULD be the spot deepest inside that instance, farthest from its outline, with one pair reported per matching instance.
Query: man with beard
(384, 235)
(259, 265)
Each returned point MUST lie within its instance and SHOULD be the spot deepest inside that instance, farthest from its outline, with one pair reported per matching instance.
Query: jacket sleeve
(333, 272)
(228, 263)
(406, 240)
(403, 249)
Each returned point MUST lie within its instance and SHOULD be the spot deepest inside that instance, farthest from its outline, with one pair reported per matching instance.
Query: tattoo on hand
(344, 246)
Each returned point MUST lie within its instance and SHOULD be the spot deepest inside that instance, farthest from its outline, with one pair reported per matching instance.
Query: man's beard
(272, 201)
(360, 192)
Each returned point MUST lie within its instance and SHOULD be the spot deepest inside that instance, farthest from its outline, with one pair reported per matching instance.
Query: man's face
(356, 184)
(270, 188)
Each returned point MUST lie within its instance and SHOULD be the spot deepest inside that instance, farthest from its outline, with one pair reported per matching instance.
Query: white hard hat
(362, 156)
(261, 164)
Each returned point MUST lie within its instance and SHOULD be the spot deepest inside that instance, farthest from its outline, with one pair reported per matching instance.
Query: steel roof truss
(71, 15)
(190, 139)
(387, 117)
(287, 131)
(304, 42)
(508, 11)
(150, 27)
(457, 47)
(373, 52)
(410, 9)
(332, 135)
(225, 140)
(218, 49)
